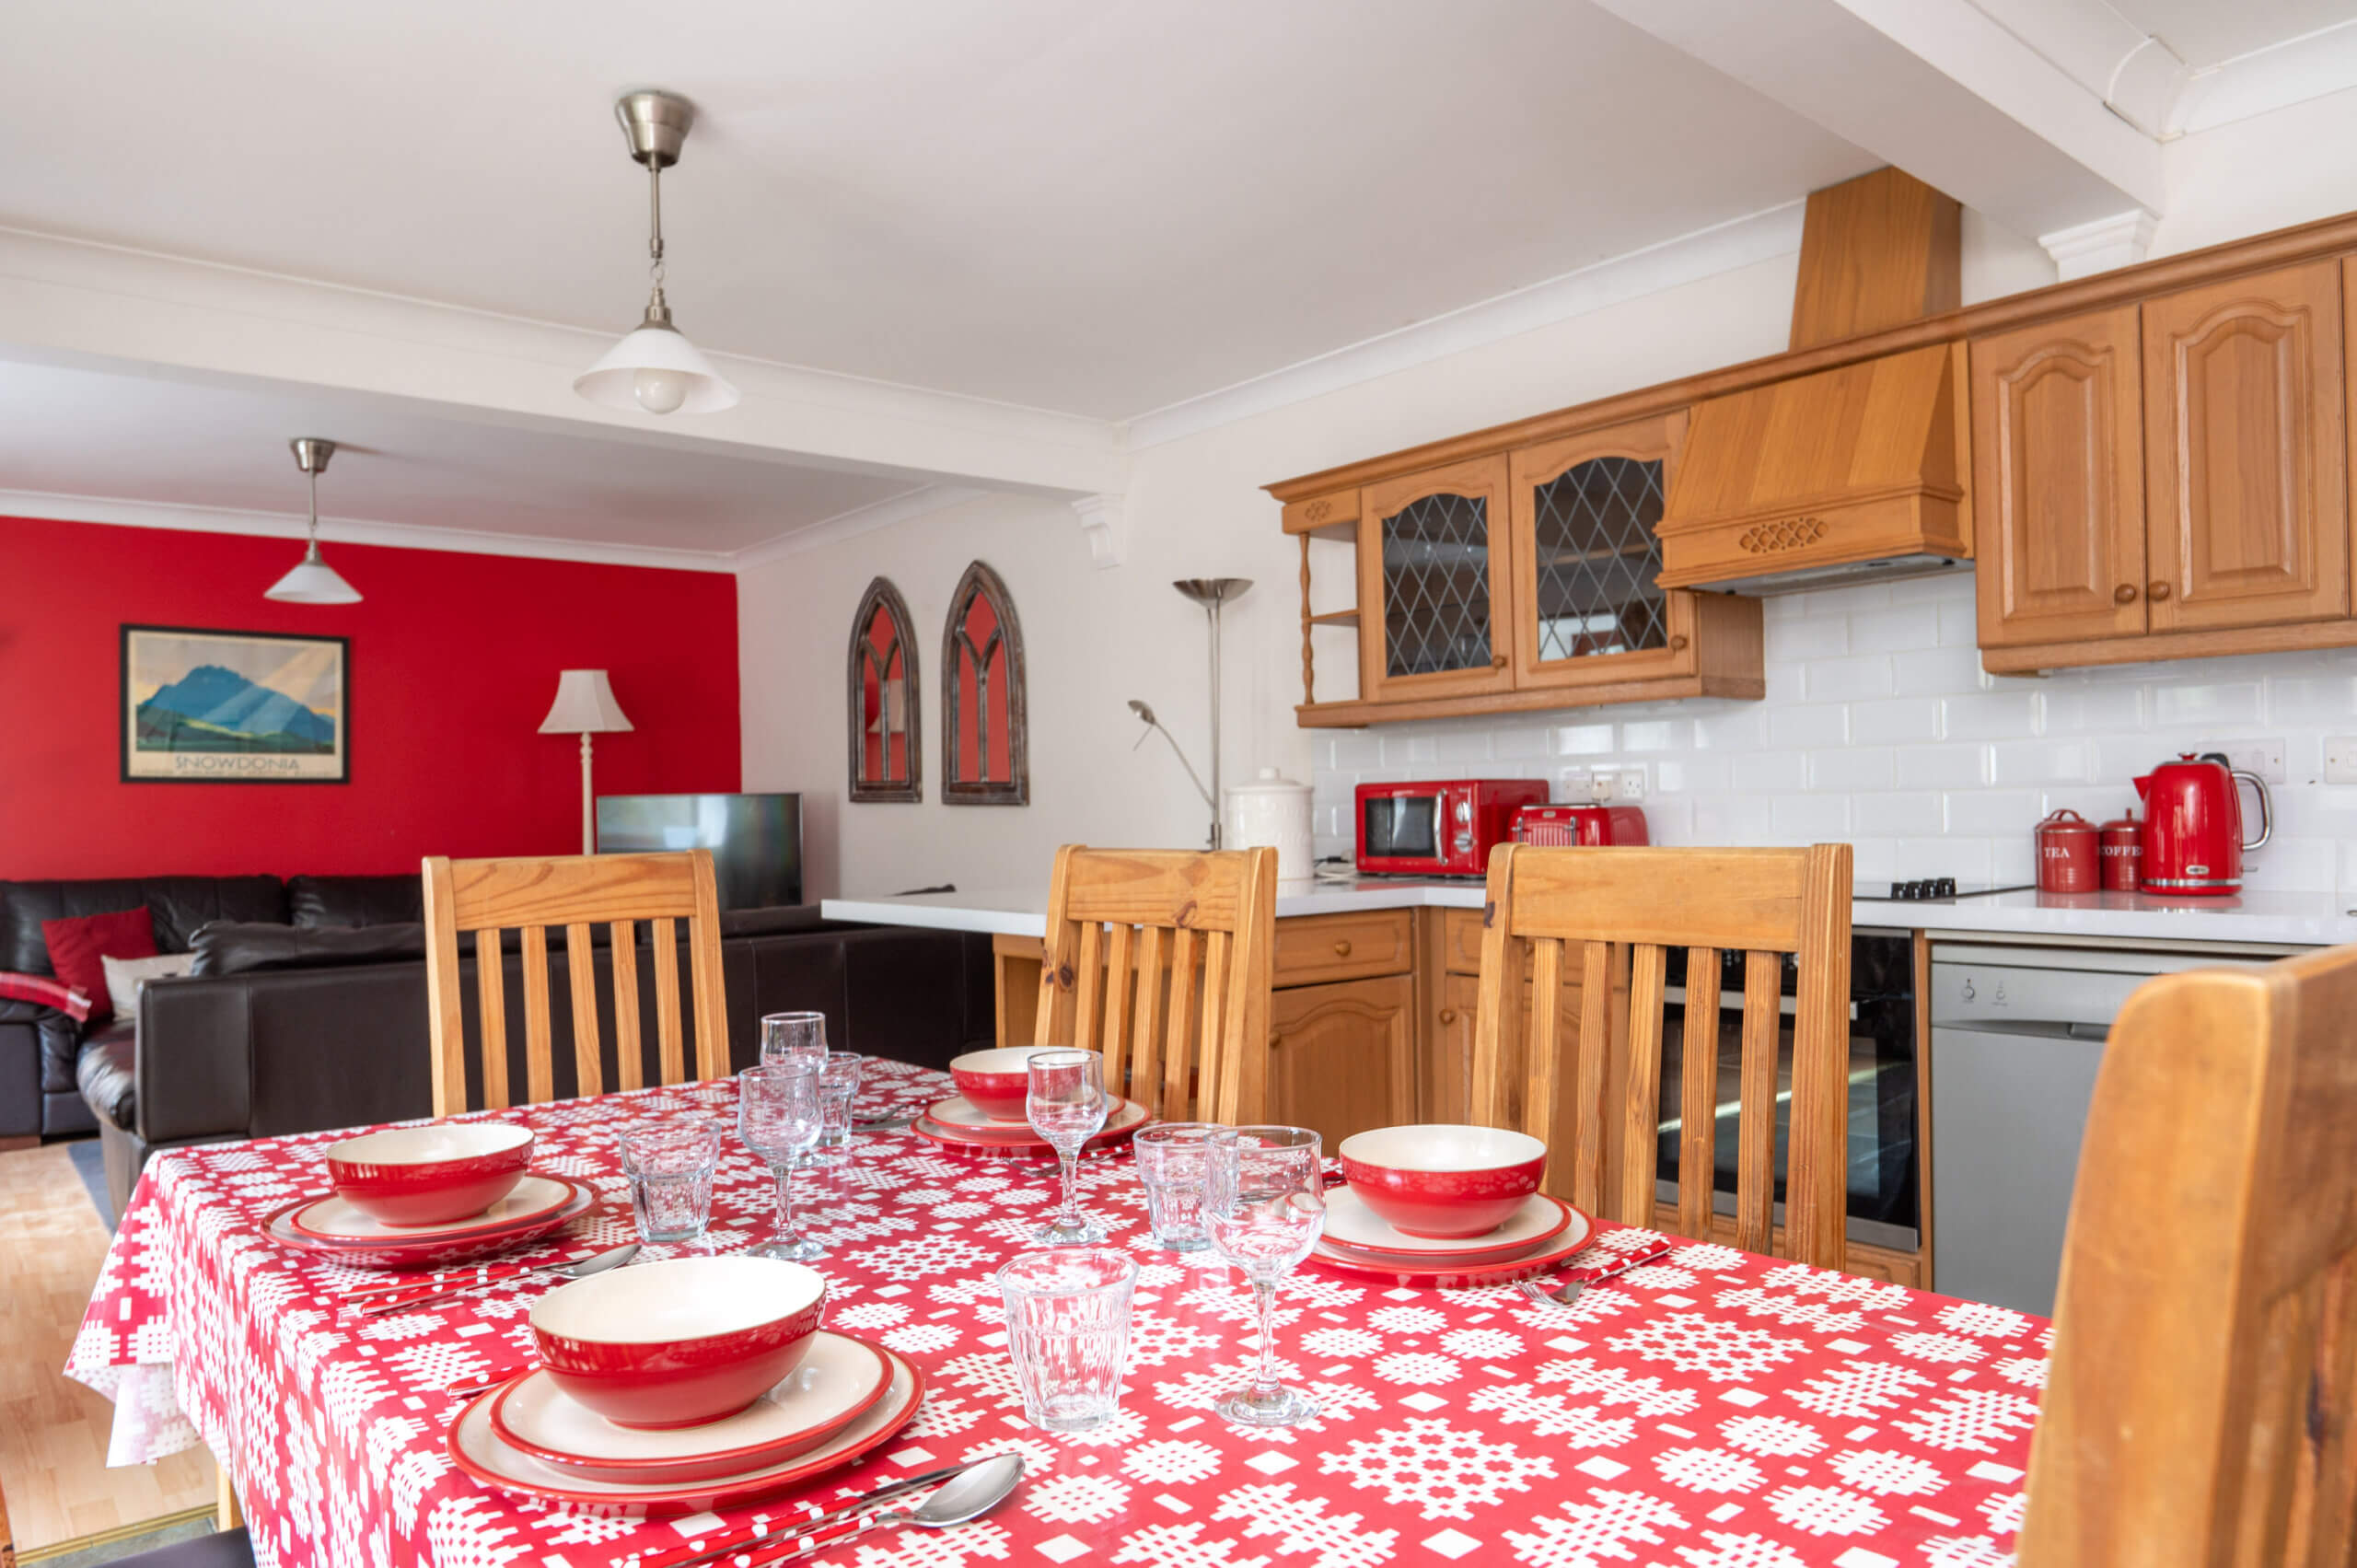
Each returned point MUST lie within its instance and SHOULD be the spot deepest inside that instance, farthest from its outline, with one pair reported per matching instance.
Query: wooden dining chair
(1550, 909)
(2197, 1408)
(485, 897)
(1162, 960)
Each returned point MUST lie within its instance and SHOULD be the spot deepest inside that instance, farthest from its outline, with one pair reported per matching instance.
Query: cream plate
(961, 1117)
(334, 1220)
(1351, 1225)
(478, 1450)
(834, 1386)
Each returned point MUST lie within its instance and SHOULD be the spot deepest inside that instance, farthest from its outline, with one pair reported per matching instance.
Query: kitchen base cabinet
(1342, 1057)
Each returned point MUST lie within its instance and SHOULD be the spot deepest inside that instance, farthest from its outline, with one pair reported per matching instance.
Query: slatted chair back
(2200, 1403)
(1551, 912)
(483, 897)
(1162, 960)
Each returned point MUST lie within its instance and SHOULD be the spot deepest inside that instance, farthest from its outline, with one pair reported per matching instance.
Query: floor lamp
(584, 706)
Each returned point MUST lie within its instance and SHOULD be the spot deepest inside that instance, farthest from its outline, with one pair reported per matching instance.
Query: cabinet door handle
(1499, 662)
(1341, 949)
(2157, 591)
(2124, 594)
(1448, 1015)
(1678, 644)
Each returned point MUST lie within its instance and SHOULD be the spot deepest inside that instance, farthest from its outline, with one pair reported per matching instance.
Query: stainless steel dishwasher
(2017, 1033)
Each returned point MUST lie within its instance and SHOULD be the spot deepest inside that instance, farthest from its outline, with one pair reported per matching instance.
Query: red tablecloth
(1717, 1409)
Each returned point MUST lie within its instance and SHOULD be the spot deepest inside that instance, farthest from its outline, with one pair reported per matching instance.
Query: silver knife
(860, 1505)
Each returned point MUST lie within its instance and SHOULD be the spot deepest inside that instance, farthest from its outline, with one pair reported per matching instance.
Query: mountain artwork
(250, 707)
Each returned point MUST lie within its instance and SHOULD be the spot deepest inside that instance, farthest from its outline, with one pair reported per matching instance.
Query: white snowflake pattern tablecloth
(1714, 1409)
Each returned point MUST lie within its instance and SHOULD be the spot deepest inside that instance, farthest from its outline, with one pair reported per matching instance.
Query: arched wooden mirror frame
(863, 659)
(991, 721)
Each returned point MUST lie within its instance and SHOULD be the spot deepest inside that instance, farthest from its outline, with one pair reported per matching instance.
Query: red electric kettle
(2193, 825)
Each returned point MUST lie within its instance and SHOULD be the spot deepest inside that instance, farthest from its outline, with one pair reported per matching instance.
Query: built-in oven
(1884, 1189)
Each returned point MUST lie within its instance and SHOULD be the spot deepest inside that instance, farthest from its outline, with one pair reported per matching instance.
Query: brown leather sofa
(287, 1027)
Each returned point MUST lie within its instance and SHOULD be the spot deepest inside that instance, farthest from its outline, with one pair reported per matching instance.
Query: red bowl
(430, 1175)
(681, 1342)
(997, 1083)
(1442, 1182)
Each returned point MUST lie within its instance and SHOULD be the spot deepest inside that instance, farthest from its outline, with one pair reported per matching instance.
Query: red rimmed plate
(478, 1450)
(1462, 1276)
(403, 1251)
(1355, 1230)
(338, 1221)
(957, 1117)
(837, 1382)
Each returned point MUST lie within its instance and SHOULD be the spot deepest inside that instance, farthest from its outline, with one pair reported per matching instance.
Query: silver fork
(612, 1258)
(1570, 1291)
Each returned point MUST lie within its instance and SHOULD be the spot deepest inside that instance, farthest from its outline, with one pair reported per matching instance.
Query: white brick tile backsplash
(1846, 679)
(1880, 728)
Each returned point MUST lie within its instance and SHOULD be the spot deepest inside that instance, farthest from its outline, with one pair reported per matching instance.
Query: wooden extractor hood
(1850, 474)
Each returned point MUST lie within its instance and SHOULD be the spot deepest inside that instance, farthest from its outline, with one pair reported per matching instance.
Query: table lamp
(584, 706)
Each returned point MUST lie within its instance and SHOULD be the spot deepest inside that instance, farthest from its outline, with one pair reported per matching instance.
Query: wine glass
(1066, 1105)
(794, 1036)
(1264, 1204)
(780, 1111)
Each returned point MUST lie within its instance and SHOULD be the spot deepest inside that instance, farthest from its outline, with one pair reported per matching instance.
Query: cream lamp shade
(584, 706)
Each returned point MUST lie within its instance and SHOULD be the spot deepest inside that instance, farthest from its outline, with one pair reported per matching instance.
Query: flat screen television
(756, 839)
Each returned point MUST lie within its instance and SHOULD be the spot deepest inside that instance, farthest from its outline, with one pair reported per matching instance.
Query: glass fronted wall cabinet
(1522, 580)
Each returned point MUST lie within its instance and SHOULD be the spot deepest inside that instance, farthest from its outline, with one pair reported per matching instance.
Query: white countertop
(2272, 919)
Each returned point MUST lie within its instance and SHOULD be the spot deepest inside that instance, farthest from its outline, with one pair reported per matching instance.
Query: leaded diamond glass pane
(1436, 585)
(1598, 557)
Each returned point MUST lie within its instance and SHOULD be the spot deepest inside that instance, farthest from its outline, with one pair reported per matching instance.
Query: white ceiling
(1096, 206)
(138, 439)
(2208, 32)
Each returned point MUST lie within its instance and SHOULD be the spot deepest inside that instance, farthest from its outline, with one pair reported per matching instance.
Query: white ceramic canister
(1274, 811)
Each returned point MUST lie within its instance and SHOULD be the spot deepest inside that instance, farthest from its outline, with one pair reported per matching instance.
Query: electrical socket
(2264, 758)
(2341, 759)
(1632, 783)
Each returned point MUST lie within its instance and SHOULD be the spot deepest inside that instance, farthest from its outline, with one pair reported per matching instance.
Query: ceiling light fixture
(313, 581)
(654, 367)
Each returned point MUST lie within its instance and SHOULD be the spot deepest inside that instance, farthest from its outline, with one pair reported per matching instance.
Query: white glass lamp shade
(656, 369)
(313, 581)
(585, 706)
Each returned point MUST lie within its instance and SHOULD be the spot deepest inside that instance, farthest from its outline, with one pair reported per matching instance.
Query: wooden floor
(52, 1430)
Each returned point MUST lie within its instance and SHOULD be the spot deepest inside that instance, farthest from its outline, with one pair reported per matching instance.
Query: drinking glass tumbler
(1066, 1105)
(1264, 1204)
(1068, 1334)
(779, 1114)
(1173, 1158)
(794, 1037)
(838, 1087)
(671, 1166)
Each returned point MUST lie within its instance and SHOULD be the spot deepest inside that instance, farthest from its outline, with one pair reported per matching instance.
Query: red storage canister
(2068, 858)
(2123, 853)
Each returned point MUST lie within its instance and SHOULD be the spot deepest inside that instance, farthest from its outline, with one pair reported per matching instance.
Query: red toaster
(1590, 824)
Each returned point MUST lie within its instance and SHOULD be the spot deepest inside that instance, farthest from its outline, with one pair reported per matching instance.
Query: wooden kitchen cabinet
(2058, 465)
(1435, 585)
(1449, 1063)
(1342, 1057)
(2246, 497)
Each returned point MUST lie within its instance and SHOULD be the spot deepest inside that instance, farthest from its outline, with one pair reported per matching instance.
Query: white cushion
(125, 976)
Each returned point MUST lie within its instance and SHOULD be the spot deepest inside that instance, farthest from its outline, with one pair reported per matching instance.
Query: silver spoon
(970, 1496)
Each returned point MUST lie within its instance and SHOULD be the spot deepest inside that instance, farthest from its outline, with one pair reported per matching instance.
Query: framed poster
(235, 707)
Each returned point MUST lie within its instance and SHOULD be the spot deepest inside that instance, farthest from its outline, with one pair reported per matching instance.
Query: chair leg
(226, 1515)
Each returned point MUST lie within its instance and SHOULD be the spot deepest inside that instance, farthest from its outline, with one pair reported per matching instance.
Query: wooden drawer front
(1460, 936)
(1315, 948)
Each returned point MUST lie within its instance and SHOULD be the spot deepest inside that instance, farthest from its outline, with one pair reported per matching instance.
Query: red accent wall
(454, 662)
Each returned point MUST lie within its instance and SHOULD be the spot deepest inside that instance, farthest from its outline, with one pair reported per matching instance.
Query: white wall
(1195, 508)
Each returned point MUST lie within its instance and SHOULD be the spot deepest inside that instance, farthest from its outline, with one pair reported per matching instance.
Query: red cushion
(76, 946)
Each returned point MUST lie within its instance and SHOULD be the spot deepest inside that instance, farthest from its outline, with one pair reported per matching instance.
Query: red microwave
(1443, 828)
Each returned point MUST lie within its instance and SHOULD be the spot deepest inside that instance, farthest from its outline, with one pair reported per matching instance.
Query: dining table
(1709, 1409)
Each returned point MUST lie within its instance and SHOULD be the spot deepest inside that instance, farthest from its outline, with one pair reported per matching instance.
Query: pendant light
(313, 581)
(654, 367)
